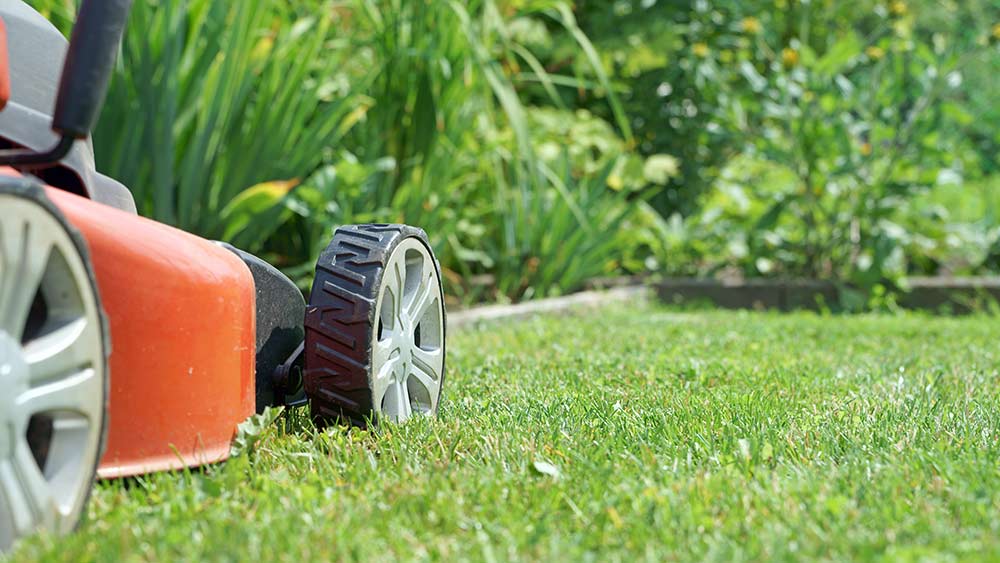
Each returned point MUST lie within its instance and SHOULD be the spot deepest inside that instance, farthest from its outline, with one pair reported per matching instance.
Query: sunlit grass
(617, 435)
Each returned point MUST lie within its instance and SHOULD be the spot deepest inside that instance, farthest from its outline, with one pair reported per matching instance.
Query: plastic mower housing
(181, 314)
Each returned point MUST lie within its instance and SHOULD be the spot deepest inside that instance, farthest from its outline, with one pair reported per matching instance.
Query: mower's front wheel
(375, 327)
(53, 368)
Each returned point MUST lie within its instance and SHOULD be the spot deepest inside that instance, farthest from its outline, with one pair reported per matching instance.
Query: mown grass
(668, 436)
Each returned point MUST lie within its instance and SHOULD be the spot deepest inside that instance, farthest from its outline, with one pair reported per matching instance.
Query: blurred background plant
(542, 143)
(854, 141)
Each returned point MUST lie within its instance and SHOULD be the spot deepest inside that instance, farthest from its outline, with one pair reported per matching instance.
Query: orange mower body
(180, 311)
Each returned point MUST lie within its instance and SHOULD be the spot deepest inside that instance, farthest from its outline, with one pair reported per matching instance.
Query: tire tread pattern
(340, 320)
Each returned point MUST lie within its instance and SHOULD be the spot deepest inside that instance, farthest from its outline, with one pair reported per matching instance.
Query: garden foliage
(542, 143)
(822, 139)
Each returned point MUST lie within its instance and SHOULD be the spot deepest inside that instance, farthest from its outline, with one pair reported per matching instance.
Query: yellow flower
(789, 57)
(751, 25)
(866, 149)
(263, 48)
(996, 31)
(875, 53)
(615, 182)
(700, 50)
(898, 8)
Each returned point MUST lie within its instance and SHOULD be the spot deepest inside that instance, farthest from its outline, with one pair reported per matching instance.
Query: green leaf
(425, 108)
(249, 209)
(770, 218)
(249, 432)
(839, 56)
(757, 82)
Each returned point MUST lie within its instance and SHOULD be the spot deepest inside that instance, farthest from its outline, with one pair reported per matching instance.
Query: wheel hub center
(13, 382)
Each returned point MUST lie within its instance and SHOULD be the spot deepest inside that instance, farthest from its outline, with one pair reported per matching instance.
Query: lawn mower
(128, 346)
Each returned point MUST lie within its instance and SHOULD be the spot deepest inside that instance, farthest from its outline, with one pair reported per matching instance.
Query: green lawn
(621, 434)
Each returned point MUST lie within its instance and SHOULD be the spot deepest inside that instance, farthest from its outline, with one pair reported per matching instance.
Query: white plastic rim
(52, 374)
(408, 351)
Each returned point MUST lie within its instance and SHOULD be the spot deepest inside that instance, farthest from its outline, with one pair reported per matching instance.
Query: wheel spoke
(65, 351)
(15, 510)
(24, 493)
(398, 287)
(428, 382)
(33, 482)
(390, 401)
(383, 350)
(80, 393)
(382, 380)
(25, 252)
(429, 361)
(387, 309)
(426, 294)
(403, 401)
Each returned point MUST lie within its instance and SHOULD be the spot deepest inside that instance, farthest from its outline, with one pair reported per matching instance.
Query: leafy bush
(269, 127)
(806, 131)
(542, 142)
(211, 99)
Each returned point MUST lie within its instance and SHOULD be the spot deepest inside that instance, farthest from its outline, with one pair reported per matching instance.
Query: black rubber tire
(30, 190)
(340, 320)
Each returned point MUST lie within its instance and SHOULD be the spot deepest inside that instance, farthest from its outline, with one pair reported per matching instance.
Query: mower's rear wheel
(53, 368)
(375, 327)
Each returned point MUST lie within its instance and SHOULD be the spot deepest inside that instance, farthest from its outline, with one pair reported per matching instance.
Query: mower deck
(181, 316)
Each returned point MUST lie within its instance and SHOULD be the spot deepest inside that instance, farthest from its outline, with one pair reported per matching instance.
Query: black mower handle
(90, 61)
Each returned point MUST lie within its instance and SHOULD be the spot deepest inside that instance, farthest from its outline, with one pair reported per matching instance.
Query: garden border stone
(586, 299)
(957, 295)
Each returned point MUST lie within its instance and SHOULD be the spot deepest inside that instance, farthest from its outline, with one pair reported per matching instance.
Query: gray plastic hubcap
(51, 373)
(408, 354)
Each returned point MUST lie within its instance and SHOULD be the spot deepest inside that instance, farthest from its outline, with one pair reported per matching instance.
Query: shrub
(268, 127)
(806, 130)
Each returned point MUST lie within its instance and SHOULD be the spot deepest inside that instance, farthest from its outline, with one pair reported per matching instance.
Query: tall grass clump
(269, 127)
(211, 99)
